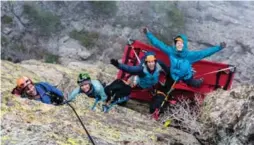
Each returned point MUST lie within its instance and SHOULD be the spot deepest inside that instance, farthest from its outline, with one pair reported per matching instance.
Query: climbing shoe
(105, 108)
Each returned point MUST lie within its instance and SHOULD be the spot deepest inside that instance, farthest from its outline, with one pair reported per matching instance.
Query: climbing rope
(89, 136)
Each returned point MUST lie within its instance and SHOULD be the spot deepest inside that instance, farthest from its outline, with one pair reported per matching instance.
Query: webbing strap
(219, 70)
(216, 86)
(218, 75)
(229, 77)
(126, 60)
(228, 80)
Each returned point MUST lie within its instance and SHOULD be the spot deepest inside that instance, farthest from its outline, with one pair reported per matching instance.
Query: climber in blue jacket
(41, 91)
(148, 70)
(181, 59)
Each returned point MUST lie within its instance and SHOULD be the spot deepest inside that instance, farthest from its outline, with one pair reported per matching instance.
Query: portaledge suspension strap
(129, 43)
(212, 72)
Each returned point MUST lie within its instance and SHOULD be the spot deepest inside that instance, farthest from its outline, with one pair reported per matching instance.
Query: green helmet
(83, 77)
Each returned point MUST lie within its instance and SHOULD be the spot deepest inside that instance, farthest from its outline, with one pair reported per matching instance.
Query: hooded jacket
(181, 61)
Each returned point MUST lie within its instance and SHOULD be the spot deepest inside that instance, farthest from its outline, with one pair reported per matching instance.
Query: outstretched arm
(100, 98)
(133, 70)
(74, 94)
(100, 93)
(159, 44)
(195, 56)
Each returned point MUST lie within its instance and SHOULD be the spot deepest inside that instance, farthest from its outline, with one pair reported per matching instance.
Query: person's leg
(169, 83)
(115, 102)
(108, 92)
(167, 86)
(108, 89)
(156, 102)
(194, 82)
(112, 89)
(118, 92)
(161, 94)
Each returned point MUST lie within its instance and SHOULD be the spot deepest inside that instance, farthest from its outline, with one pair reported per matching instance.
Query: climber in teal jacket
(92, 88)
(181, 59)
(148, 70)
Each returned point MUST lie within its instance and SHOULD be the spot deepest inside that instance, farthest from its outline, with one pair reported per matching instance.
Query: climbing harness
(156, 113)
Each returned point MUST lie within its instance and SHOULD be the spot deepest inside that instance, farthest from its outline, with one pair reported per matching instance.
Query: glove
(223, 45)
(114, 62)
(145, 30)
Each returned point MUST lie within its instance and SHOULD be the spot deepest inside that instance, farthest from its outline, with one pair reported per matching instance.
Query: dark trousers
(194, 82)
(158, 98)
(117, 89)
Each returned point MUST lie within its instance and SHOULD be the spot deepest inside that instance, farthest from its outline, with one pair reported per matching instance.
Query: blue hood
(182, 53)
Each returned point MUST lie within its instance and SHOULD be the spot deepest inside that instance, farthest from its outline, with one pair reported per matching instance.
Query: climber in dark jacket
(148, 70)
(41, 91)
(181, 59)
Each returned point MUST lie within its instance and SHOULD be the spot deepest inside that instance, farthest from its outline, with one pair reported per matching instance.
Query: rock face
(84, 30)
(27, 122)
(226, 116)
(230, 116)
(208, 23)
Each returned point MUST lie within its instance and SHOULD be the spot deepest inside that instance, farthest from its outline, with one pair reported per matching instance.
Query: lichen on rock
(27, 122)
